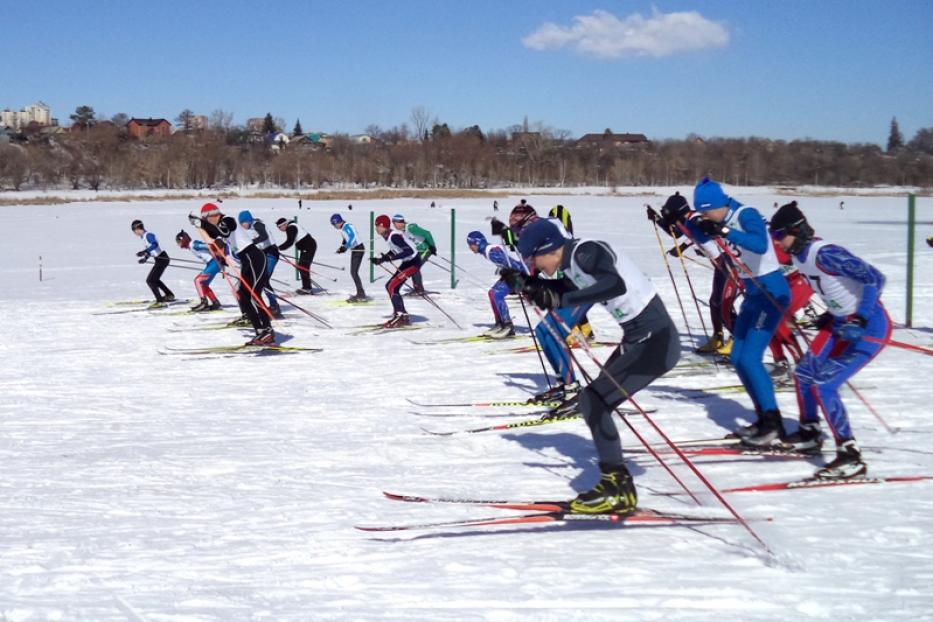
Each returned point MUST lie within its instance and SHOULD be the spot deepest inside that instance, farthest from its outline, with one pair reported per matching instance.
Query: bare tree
(420, 121)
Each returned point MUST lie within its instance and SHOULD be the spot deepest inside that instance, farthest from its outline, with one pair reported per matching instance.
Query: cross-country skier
(423, 242)
(784, 341)
(262, 241)
(307, 247)
(399, 249)
(650, 345)
(202, 282)
(503, 259)
(163, 295)
(852, 333)
(357, 251)
(766, 299)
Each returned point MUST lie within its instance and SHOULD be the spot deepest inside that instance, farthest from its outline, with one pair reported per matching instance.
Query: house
(609, 140)
(144, 128)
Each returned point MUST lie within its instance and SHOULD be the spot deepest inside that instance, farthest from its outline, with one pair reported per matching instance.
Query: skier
(202, 282)
(851, 289)
(401, 249)
(562, 214)
(650, 345)
(766, 299)
(262, 241)
(357, 252)
(223, 230)
(424, 245)
(307, 247)
(784, 341)
(673, 214)
(163, 295)
(495, 206)
(503, 260)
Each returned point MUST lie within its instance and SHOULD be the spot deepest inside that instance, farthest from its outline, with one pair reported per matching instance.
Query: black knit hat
(281, 221)
(675, 206)
(788, 219)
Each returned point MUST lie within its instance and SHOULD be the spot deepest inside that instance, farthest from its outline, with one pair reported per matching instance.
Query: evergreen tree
(895, 138)
(185, 120)
(268, 124)
(922, 141)
(297, 131)
(83, 116)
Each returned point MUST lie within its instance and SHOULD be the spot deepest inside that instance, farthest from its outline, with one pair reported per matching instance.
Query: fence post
(453, 248)
(372, 246)
(911, 227)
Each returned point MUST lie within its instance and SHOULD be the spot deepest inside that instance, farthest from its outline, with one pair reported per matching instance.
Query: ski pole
(295, 265)
(534, 339)
(670, 443)
(313, 316)
(327, 265)
(900, 344)
(693, 293)
(667, 264)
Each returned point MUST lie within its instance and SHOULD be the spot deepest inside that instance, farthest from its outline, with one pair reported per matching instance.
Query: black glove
(194, 220)
(432, 250)
(342, 249)
(712, 228)
(142, 254)
(380, 259)
(144, 259)
(498, 227)
(678, 250)
(653, 216)
(513, 278)
(543, 296)
(823, 320)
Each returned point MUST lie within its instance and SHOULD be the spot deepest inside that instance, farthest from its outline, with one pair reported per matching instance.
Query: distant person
(433, 204)
(350, 207)
(930, 241)
(842, 204)
(495, 206)
(163, 295)
(299, 203)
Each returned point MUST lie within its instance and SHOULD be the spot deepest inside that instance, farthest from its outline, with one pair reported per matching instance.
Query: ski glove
(342, 249)
(513, 278)
(432, 250)
(653, 216)
(543, 296)
(498, 227)
(144, 259)
(853, 330)
(380, 259)
(194, 220)
(712, 228)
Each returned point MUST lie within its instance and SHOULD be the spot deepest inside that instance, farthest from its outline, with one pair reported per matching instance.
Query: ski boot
(492, 331)
(215, 305)
(781, 372)
(769, 431)
(726, 349)
(240, 322)
(265, 337)
(710, 347)
(567, 409)
(276, 312)
(504, 331)
(170, 298)
(201, 306)
(158, 304)
(848, 463)
(586, 330)
(304, 291)
(558, 392)
(398, 320)
(807, 439)
(614, 494)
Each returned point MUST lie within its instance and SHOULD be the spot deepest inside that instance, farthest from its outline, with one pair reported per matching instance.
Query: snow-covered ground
(137, 486)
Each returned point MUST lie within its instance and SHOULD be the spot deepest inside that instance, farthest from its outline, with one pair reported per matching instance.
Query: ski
(469, 339)
(575, 346)
(347, 303)
(121, 311)
(239, 348)
(815, 482)
(378, 329)
(525, 423)
(503, 404)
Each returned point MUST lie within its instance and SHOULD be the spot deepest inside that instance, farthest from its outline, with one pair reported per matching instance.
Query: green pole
(453, 248)
(372, 246)
(911, 227)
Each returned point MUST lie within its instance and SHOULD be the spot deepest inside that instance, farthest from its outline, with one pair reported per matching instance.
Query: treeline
(102, 157)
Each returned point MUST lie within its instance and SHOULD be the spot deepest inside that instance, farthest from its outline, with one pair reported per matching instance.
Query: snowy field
(140, 486)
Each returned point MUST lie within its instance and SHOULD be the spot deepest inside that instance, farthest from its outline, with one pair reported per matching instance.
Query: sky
(829, 70)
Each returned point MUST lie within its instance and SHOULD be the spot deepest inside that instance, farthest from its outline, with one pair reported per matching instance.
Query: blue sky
(826, 69)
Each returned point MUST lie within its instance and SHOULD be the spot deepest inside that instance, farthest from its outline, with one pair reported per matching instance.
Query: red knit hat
(383, 221)
(209, 209)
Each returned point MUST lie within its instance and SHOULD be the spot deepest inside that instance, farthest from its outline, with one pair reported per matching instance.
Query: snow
(137, 486)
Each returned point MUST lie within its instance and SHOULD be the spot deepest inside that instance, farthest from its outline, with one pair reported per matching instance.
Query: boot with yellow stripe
(726, 349)
(585, 329)
(614, 494)
(710, 347)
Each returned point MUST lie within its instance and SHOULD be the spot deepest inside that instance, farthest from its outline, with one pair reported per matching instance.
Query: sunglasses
(779, 234)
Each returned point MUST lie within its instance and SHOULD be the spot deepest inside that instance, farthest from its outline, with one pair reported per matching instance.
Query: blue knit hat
(245, 216)
(708, 195)
(540, 238)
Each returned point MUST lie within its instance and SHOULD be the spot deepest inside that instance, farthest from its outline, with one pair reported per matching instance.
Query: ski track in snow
(136, 486)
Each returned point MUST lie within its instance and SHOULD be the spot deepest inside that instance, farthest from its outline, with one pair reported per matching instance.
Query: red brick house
(144, 128)
(609, 140)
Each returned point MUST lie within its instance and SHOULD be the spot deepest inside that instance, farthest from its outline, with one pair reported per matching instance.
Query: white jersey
(840, 294)
(202, 255)
(242, 238)
(758, 265)
(639, 290)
